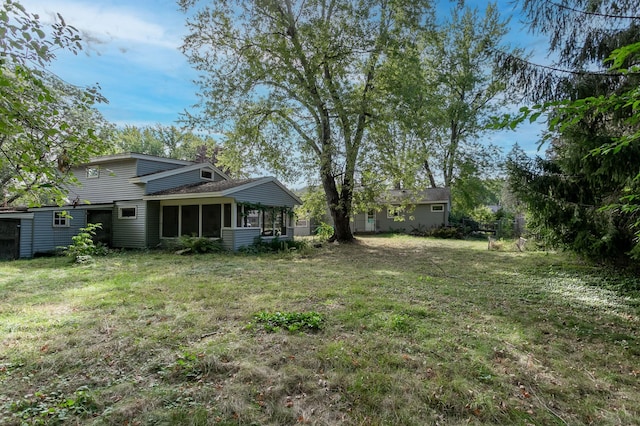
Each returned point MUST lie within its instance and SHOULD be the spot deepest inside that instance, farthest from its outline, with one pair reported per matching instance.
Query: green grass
(406, 331)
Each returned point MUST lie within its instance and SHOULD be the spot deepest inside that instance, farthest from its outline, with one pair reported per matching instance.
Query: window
(437, 208)
(190, 220)
(206, 174)
(170, 221)
(302, 223)
(211, 217)
(127, 213)
(93, 172)
(227, 215)
(393, 213)
(61, 219)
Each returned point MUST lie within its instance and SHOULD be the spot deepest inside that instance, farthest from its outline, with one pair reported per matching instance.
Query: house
(403, 210)
(143, 200)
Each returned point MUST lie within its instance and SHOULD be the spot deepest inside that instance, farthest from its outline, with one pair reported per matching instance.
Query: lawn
(412, 332)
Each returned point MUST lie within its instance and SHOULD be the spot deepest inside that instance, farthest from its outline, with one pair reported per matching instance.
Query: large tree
(45, 124)
(294, 83)
(592, 163)
(169, 141)
(444, 92)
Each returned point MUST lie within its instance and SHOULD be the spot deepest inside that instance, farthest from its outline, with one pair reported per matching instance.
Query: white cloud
(105, 23)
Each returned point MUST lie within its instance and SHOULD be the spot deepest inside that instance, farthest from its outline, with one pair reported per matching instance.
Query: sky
(132, 52)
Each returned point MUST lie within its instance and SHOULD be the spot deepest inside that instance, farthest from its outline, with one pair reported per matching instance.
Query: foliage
(200, 244)
(314, 204)
(324, 231)
(54, 408)
(171, 142)
(482, 214)
(446, 87)
(273, 245)
(83, 246)
(297, 77)
(290, 321)
(593, 128)
(46, 125)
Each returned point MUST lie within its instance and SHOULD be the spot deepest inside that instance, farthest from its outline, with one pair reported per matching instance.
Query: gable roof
(222, 188)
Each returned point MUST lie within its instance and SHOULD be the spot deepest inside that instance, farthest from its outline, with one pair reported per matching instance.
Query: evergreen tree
(593, 160)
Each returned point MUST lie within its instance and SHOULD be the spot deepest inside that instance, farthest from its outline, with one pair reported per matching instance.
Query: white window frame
(93, 172)
(61, 219)
(437, 208)
(202, 171)
(394, 212)
(135, 212)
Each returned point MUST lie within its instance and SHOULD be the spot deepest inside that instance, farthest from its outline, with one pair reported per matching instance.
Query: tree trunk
(338, 208)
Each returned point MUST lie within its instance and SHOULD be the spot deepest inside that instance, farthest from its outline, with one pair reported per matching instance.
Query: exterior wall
(147, 167)
(112, 184)
(234, 238)
(268, 194)
(423, 218)
(153, 223)
(358, 222)
(174, 181)
(129, 232)
(47, 238)
(26, 238)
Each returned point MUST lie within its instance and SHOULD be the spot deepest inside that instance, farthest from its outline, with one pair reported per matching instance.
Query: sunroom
(237, 212)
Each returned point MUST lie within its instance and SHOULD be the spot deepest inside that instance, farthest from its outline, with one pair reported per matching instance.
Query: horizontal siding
(129, 233)
(147, 167)
(174, 181)
(47, 238)
(244, 237)
(26, 238)
(112, 185)
(423, 218)
(268, 194)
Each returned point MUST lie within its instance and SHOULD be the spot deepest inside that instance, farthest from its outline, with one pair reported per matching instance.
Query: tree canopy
(584, 195)
(293, 84)
(46, 124)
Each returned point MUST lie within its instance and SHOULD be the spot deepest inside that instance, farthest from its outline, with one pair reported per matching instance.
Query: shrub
(291, 321)
(324, 231)
(274, 245)
(199, 245)
(83, 246)
(447, 232)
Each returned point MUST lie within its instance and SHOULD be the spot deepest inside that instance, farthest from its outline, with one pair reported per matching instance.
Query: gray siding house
(400, 210)
(142, 201)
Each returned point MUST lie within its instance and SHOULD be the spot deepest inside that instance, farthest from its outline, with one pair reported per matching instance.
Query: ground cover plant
(410, 331)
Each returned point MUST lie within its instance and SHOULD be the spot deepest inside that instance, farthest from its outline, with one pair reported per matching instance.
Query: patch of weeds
(274, 245)
(186, 366)
(402, 323)
(188, 244)
(290, 321)
(54, 407)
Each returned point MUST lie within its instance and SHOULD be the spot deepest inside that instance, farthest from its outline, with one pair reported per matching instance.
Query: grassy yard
(414, 332)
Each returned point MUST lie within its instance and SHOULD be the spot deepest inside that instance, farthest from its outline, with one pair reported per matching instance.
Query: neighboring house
(143, 200)
(401, 210)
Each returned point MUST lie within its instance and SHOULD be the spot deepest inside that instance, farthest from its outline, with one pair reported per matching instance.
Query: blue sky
(133, 54)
